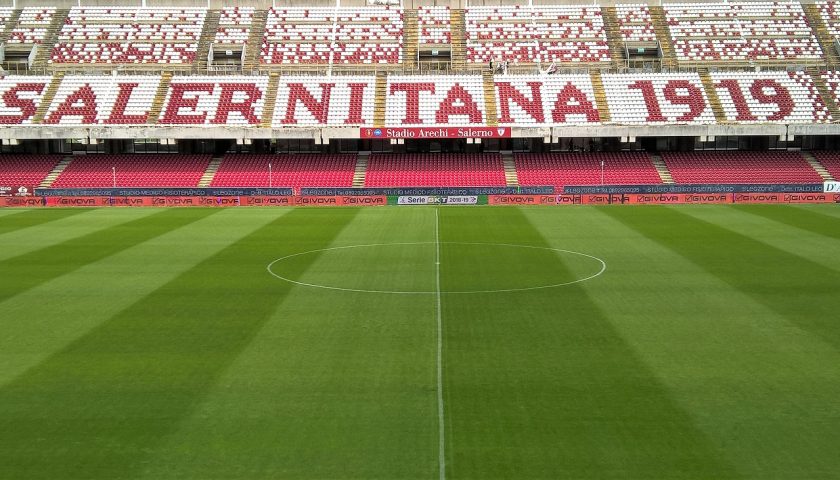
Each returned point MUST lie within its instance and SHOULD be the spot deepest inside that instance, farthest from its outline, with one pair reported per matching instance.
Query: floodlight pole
(602, 172)
(114, 175)
(269, 176)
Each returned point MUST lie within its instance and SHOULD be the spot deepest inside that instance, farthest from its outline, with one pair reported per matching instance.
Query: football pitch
(686, 342)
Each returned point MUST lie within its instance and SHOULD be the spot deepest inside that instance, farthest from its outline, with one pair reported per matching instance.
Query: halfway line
(441, 434)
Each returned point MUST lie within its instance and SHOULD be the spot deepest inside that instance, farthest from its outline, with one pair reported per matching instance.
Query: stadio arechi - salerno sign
(434, 132)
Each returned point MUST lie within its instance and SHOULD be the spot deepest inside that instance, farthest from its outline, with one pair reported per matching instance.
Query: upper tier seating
(635, 23)
(435, 24)
(82, 99)
(443, 100)
(359, 35)
(741, 31)
(740, 167)
(133, 170)
(196, 100)
(566, 99)
(344, 105)
(234, 26)
(561, 169)
(767, 97)
(830, 160)
(25, 170)
(830, 15)
(159, 35)
(290, 171)
(546, 33)
(33, 25)
(435, 170)
(656, 98)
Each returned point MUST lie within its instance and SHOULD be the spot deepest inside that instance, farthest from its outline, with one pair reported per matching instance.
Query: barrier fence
(408, 200)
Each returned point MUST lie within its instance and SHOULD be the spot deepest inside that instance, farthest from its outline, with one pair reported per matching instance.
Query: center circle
(415, 268)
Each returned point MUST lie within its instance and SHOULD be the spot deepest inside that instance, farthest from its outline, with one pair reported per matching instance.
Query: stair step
(47, 99)
(490, 99)
(825, 92)
(818, 167)
(711, 94)
(600, 96)
(55, 172)
(662, 169)
(380, 93)
(210, 173)
(208, 35)
(360, 172)
(511, 176)
(160, 98)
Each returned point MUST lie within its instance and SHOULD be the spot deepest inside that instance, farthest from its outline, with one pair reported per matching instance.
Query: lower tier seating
(831, 162)
(295, 171)
(435, 170)
(25, 170)
(740, 167)
(139, 170)
(560, 169)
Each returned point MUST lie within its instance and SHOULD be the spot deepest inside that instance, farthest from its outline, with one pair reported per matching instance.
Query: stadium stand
(25, 170)
(785, 97)
(21, 96)
(653, 98)
(136, 170)
(435, 170)
(234, 26)
(435, 100)
(740, 167)
(829, 160)
(540, 99)
(546, 33)
(215, 100)
(741, 31)
(635, 23)
(363, 35)
(295, 171)
(435, 24)
(32, 25)
(109, 99)
(106, 35)
(560, 169)
(341, 101)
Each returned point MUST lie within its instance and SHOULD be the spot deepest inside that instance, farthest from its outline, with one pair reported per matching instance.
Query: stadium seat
(25, 170)
(133, 170)
(289, 171)
(561, 169)
(435, 170)
(740, 167)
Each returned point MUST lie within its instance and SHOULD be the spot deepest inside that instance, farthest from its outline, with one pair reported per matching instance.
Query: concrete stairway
(255, 40)
(210, 173)
(361, 170)
(55, 172)
(662, 169)
(614, 38)
(47, 99)
(818, 166)
(825, 92)
(270, 100)
(600, 96)
(821, 31)
(490, 99)
(208, 35)
(45, 47)
(411, 38)
(160, 97)
(511, 177)
(380, 93)
(711, 94)
(458, 29)
(663, 34)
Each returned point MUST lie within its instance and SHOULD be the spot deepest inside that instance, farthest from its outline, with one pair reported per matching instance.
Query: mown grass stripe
(782, 281)
(37, 237)
(34, 268)
(808, 220)
(69, 306)
(30, 218)
(99, 407)
(541, 385)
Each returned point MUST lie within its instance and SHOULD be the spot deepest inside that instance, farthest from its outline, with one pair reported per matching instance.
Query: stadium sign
(438, 200)
(831, 187)
(435, 132)
(19, 191)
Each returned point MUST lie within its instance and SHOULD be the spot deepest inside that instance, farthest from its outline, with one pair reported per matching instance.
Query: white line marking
(441, 434)
(435, 292)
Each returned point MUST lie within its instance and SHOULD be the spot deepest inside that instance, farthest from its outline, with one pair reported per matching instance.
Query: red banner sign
(435, 132)
(21, 201)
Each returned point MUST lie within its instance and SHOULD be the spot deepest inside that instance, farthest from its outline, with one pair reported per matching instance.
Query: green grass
(146, 343)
